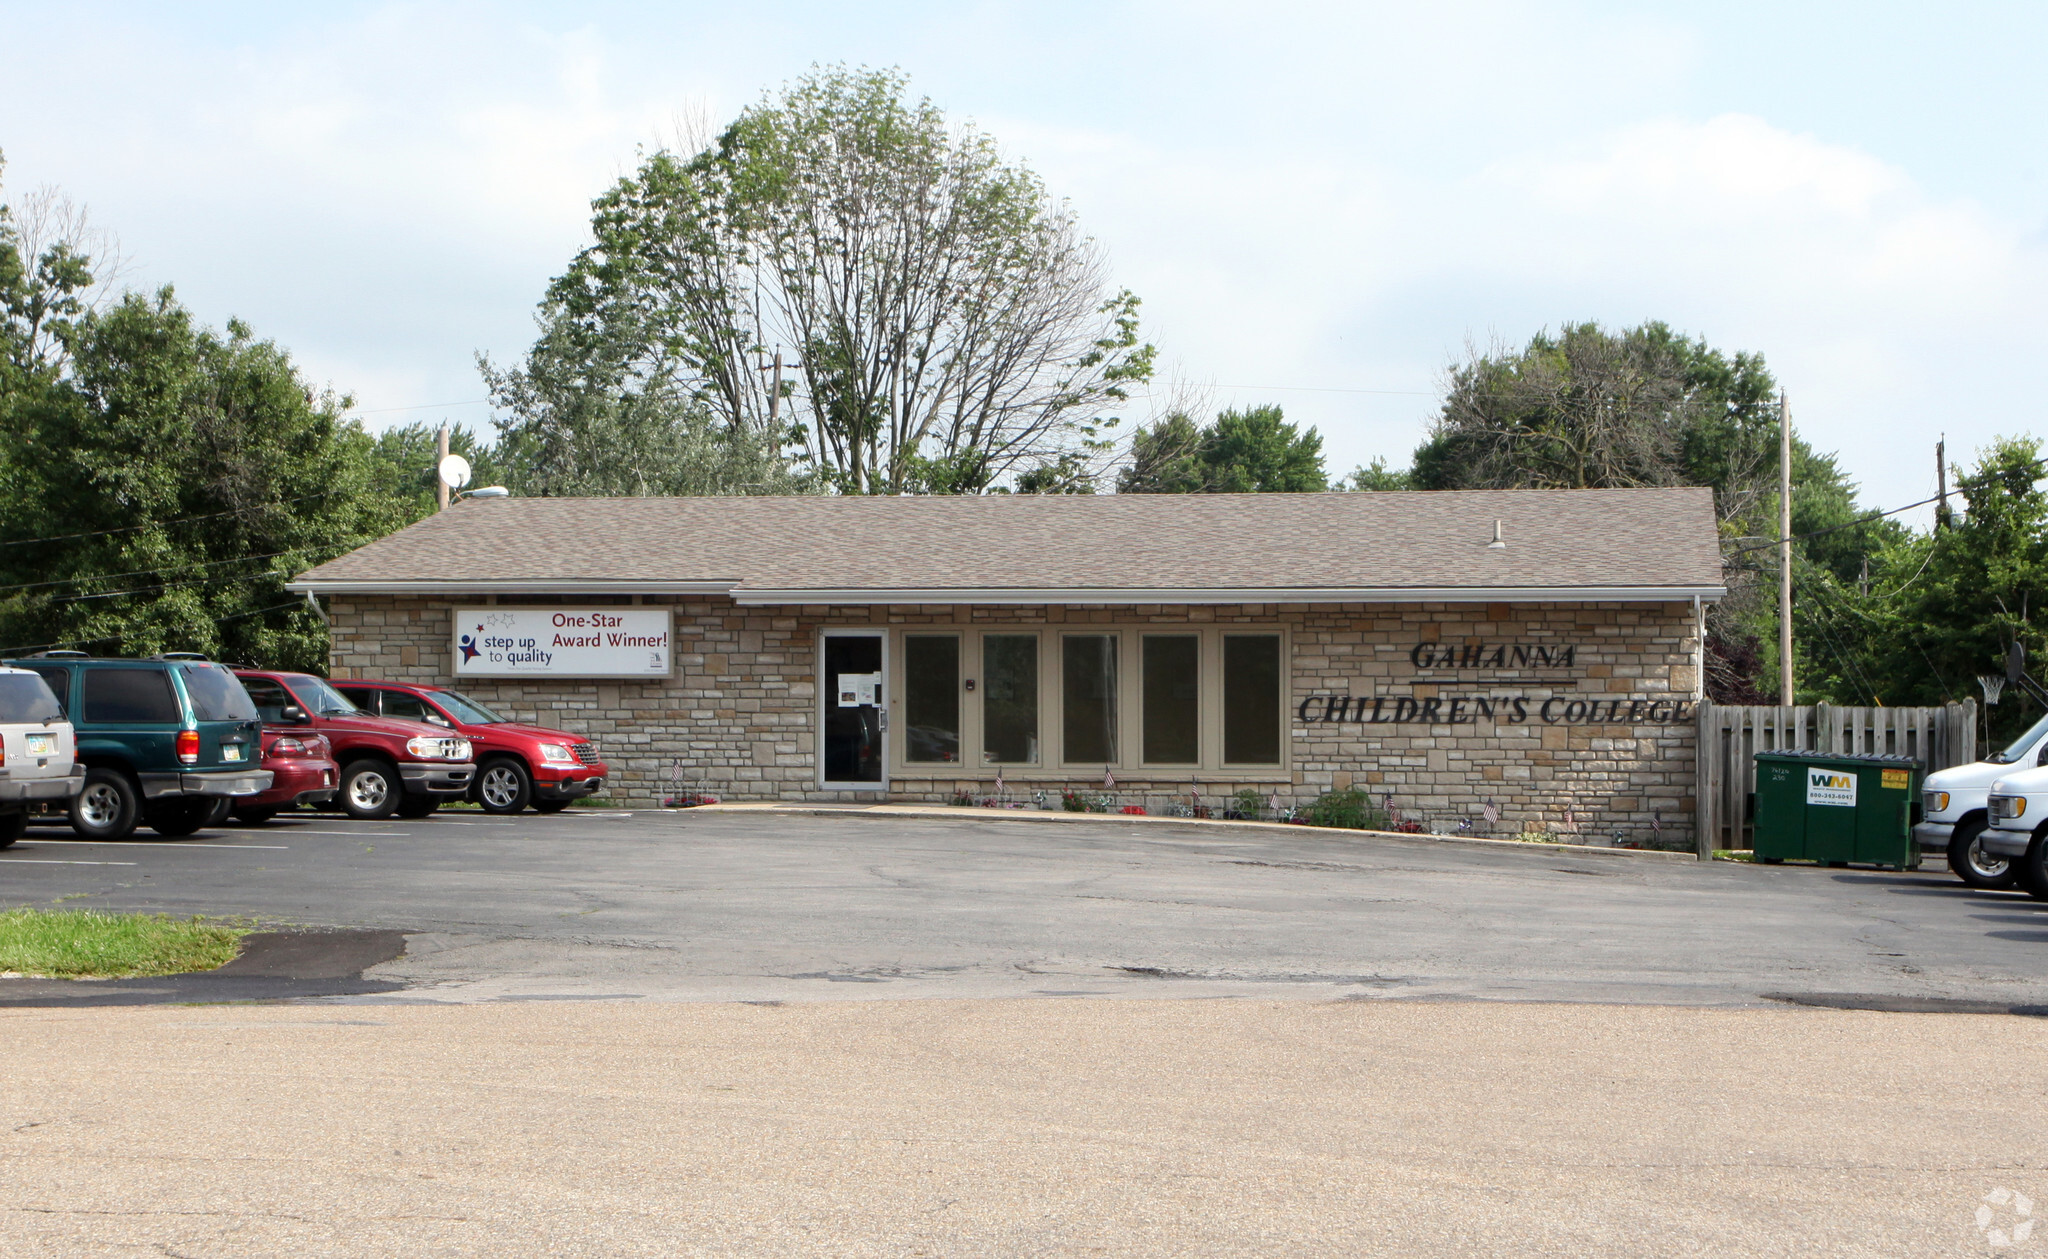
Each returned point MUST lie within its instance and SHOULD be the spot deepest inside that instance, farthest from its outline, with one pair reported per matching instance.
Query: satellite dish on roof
(454, 471)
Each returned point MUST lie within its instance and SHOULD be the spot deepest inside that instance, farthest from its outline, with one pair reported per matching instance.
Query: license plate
(41, 744)
(231, 752)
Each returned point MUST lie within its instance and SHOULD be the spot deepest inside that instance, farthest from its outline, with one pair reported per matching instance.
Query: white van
(1952, 809)
(38, 753)
(2015, 807)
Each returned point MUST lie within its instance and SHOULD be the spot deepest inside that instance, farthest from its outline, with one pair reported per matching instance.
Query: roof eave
(344, 586)
(755, 597)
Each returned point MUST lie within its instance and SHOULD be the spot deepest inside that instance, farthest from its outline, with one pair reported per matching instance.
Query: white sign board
(1830, 786)
(563, 642)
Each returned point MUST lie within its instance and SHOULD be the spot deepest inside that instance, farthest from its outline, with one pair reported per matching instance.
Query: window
(60, 684)
(1173, 688)
(466, 710)
(315, 696)
(130, 695)
(216, 694)
(1009, 699)
(270, 699)
(410, 707)
(25, 698)
(1088, 699)
(1251, 699)
(363, 697)
(931, 698)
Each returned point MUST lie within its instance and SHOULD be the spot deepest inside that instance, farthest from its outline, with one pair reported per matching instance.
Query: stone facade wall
(1614, 745)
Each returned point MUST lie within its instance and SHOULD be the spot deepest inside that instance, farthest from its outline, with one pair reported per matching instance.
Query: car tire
(255, 817)
(370, 790)
(2031, 871)
(180, 815)
(12, 827)
(549, 806)
(417, 806)
(1974, 866)
(503, 786)
(106, 807)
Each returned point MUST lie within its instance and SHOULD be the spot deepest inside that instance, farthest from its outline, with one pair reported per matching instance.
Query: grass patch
(88, 944)
(1734, 854)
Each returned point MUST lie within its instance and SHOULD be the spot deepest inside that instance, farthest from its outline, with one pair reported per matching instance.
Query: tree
(1646, 406)
(402, 465)
(1247, 451)
(1377, 476)
(179, 477)
(950, 325)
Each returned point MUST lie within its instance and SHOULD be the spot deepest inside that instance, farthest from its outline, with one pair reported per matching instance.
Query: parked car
(387, 765)
(517, 764)
(161, 739)
(38, 761)
(2016, 807)
(303, 772)
(1952, 809)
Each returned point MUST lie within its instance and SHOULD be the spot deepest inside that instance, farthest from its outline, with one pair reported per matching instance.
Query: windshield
(315, 696)
(217, 695)
(24, 697)
(466, 710)
(2020, 745)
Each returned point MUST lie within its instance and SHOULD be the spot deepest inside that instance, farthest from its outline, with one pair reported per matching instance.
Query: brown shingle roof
(1639, 544)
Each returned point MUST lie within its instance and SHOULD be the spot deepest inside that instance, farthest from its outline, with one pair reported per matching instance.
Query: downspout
(1699, 649)
(318, 611)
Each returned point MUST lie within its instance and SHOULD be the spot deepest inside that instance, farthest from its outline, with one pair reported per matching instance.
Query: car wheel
(2033, 877)
(502, 786)
(106, 806)
(370, 790)
(12, 827)
(255, 817)
(549, 806)
(417, 806)
(179, 816)
(1974, 866)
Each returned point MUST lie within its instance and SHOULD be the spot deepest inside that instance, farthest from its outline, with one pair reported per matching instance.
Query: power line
(1390, 393)
(424, 406)
(143, 572)
(116, 637)
(157, 524)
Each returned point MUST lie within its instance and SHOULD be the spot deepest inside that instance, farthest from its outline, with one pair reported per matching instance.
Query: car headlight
(558, 753)
(428, 748)
(1937, 802)
(459, 749)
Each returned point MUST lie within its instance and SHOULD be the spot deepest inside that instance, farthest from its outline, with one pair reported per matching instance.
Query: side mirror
(437, 719)
(294, 714)
(2043, 758)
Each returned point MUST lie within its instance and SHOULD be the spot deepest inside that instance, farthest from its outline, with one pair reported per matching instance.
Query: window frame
(1052, 765)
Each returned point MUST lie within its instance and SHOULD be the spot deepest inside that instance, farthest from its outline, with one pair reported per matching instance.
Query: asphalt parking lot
(711, 905)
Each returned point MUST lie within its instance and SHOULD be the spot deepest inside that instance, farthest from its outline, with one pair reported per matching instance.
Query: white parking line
(147, 843)
(46, 861)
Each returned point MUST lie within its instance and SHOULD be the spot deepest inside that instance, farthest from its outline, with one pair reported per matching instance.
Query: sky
(1322, 205)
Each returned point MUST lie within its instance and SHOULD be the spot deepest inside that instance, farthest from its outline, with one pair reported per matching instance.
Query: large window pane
(1251, 699)
(1088, 691)
(1009, 698)
(1173, 683)
(931, 698)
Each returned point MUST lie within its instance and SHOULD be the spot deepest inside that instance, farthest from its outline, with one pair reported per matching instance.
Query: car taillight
(288, 746)
(188, 746)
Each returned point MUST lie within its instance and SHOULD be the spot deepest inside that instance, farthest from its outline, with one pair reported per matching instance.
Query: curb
(1038, 815)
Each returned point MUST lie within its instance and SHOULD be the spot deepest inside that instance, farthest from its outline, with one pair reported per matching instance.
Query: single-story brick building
(1535, 650)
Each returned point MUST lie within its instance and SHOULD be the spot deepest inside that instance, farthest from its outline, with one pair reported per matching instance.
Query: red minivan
(516, 764)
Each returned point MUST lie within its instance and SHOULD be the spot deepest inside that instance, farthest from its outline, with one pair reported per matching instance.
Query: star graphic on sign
(468, 644)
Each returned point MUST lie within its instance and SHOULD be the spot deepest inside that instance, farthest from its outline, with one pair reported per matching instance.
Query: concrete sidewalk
(1026, 1127)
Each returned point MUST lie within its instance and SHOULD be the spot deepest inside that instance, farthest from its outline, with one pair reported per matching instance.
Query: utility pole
(1785, 693)
(440, 453)
(1941, 482)
(775, 393)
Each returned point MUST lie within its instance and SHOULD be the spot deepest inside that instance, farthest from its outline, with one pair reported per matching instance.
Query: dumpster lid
(1808, 756)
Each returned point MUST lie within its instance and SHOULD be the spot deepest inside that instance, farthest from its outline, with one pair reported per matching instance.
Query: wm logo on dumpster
(1830, 786)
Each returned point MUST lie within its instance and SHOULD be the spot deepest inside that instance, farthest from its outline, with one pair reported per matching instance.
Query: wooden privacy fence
(1731, 736)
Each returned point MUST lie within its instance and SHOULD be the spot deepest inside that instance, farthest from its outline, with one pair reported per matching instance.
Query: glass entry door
(853, 721)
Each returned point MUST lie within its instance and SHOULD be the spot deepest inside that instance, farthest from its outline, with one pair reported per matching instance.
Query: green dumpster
(1836, 808)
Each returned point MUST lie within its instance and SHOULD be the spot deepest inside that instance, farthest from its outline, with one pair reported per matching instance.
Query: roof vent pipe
(1497, 544)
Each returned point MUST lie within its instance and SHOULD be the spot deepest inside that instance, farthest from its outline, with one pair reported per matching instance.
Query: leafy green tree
(180, 478)
(950, 326)
(402, 465)
(1377, 476)
(1245, 451)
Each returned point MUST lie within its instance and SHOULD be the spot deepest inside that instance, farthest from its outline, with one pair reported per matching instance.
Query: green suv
(162, 740)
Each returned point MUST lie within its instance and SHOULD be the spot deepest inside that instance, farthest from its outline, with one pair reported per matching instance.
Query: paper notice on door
(860, 690)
